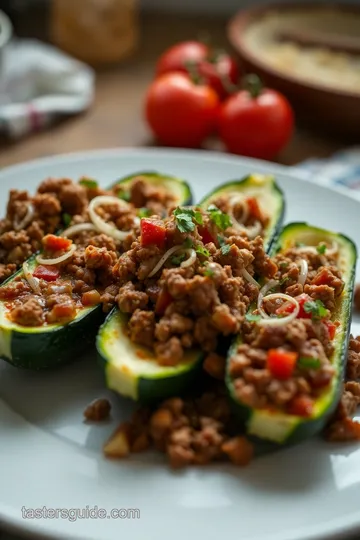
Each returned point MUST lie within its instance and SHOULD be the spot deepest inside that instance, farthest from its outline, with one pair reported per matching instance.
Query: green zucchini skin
(279, 429)
(132, 370)
(180, 188)
(54, 345)
(266, 191)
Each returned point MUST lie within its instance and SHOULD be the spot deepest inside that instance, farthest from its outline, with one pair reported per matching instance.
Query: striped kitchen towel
(341, 170)
(39, 84)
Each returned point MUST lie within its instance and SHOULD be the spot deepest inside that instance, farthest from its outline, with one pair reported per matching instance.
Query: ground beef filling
(62, 202)
(288, 366)
(175, 308)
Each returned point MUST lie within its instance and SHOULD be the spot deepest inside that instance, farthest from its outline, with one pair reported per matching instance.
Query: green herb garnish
(185, 218)
(144, 212)
(124, 195)
(316, 308)
(283, 265)
(88, 183)
(201, 250)
(308, 362)
(300, 244)
(321, 249)
(225, 249)
(188, 243)
(221, 220)
(221, 240)
(284, 280)
(252, 317)
(176, 260)
(209, 272)
(66, 219)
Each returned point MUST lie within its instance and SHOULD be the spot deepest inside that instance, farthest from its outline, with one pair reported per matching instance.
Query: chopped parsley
(201, 250)
(283, 265)
(321, 249)
(221, 220)
(88, 183)
(124, 195)
(252, 317)
(221, 240)
(316, 308)
(176, 260)
(188, 243)
(66, 219)
(225, 249)
(300, 244)
(284, 280)
(185, 218)
(308, 362)
(209, 272)
(144, 212)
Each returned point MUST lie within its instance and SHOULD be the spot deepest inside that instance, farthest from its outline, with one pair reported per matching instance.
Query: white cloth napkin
(38, 84)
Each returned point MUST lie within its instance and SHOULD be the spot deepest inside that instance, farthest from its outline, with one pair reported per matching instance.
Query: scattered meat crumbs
(98, 410)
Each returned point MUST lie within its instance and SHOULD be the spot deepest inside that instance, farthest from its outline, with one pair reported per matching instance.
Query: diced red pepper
(281, 364)
(163, 301)
(153, 232)
(206, 236)
(47, 273)
(331, 329)
(288, 307)
(254, 208)
(56, 243)
(301, 406)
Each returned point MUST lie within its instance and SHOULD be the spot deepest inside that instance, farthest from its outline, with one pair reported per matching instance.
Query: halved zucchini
(178, 187)
(278, 427)
(51, 345)
(268, 195)
(132, 370)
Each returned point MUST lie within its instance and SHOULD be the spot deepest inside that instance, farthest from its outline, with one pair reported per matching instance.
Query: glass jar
(95, 31)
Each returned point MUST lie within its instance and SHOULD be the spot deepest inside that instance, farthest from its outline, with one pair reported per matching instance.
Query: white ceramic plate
(48, 456)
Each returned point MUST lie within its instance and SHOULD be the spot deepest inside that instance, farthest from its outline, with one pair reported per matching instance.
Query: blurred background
(77, 75)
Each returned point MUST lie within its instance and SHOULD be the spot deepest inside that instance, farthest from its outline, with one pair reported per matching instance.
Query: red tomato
(206, 236)
(256, 123)
(48, 273)
(177, 57)
(301, 406)
(164, 300)
(219, 70)
(280, 363)
(56, 243)
(180, 112)
(287, 307)
(254, 208)
(331, 329)
(153, 232)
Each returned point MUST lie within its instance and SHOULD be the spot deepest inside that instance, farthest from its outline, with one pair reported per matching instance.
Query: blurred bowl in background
(311, 53)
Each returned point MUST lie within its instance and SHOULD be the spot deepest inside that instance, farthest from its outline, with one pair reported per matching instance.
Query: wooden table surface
(115, 119)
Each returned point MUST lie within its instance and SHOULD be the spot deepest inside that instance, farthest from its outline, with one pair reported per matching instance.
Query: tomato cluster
(195, 94)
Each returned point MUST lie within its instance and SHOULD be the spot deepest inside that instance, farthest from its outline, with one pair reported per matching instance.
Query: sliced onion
(235, 200)
(249, 278)
(280, 321)
(26, 220)
(263, 292)
(303, 271)
(164, 258)
(251, 230)
(191, 258)
(40, 259)
(76, 229)
(333, 250)
(99, 223)
(33, 282)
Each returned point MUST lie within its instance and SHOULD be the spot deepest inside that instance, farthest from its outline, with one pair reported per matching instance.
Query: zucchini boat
(54, 344)
(265, 191)
(132, 371)
(273, 424)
